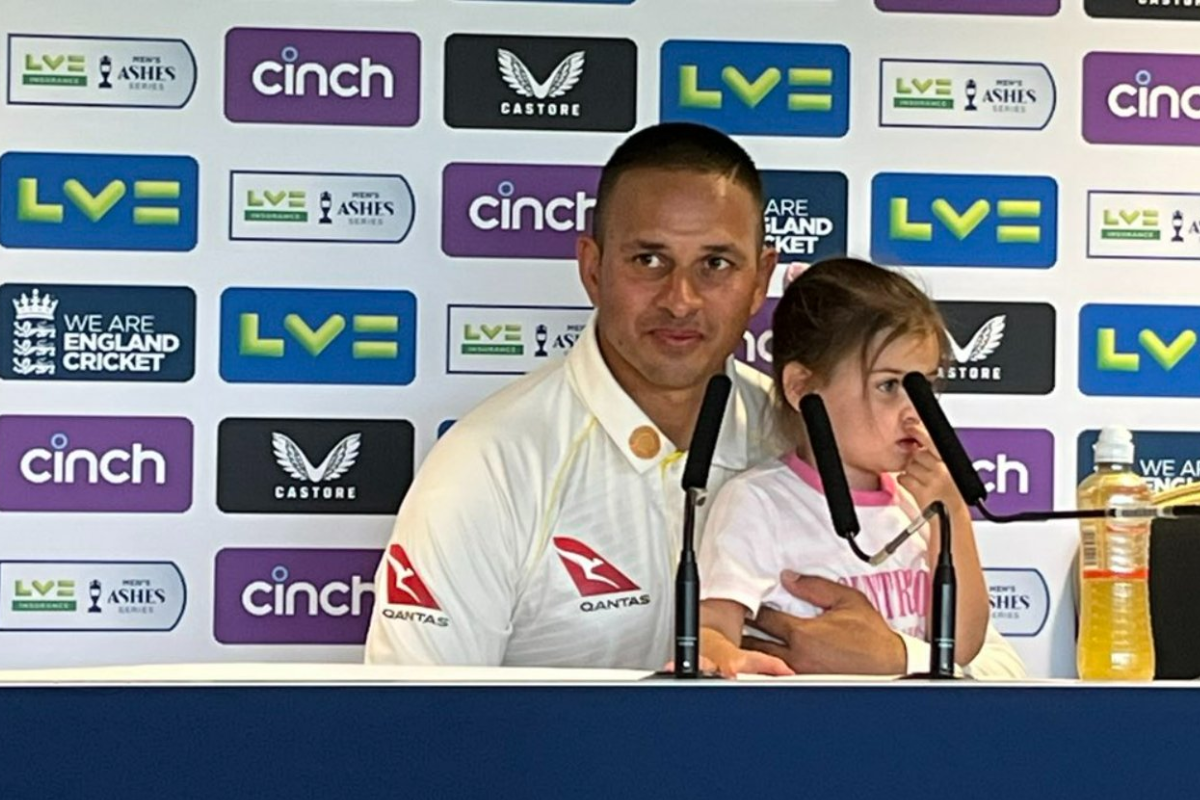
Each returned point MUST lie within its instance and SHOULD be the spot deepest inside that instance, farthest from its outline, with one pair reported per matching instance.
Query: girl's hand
(731, 662)
(925, 476)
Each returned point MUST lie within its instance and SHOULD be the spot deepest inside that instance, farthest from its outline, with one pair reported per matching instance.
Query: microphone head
(829, 466)
(948, 445)
(704, 436)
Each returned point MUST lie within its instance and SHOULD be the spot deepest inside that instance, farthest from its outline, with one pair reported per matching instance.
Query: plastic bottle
(1115, 638)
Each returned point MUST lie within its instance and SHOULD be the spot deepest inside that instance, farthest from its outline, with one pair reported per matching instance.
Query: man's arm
(848, 637)
(851, 637)
(447, 584)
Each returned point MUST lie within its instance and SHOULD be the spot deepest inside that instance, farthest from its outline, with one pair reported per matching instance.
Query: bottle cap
(1115, 445)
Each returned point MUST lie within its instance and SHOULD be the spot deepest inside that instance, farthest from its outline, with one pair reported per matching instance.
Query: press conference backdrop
(256, 256)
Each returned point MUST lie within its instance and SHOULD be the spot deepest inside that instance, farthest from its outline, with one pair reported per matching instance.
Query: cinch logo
(1033, 8)
(1159, 225)
(999, 348)
(1143, 9)
(516, 210)
(1166, 459)
(302, 596)
(89, 596)
(60, 464)
(540, 83)
(313, 466)
(964, 220)
(1141, 98)
(322, 76)
(94, 71)
(1019, 599)
(1137, 350)
(805, 214)
(1015, 465)
(319, 207)
(965, 94)
(98, 202)
(510, 340)
(318, 336)
(95, 463)
(284, 598)
(757, 87)
(127, 333)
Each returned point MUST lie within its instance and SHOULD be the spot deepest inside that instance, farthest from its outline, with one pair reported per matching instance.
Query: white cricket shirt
(544, 528)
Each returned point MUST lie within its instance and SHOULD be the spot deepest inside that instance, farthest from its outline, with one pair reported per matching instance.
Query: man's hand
(849, 637)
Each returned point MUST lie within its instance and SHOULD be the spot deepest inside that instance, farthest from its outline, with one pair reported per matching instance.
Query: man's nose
(679, 295)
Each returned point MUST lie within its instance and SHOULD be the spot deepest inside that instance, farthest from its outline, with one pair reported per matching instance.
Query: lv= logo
(315, 341)
(1167, 355)
(753, 92)
(31, 208)
(963, 224)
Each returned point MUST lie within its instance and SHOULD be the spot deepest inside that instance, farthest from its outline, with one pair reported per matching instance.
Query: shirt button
(645, 442)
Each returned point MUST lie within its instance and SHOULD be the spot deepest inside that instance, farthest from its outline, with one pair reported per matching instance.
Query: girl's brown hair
(839, 306)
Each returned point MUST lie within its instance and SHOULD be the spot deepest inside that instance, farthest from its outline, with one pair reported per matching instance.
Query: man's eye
(719, 262)
(653, 260)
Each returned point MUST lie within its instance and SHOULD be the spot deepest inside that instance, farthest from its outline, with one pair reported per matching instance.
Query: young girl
(848, 331)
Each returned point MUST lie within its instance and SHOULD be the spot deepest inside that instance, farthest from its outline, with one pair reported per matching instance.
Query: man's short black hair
(682, 146)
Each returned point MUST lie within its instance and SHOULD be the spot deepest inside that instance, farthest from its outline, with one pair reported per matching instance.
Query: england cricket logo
(34, 334)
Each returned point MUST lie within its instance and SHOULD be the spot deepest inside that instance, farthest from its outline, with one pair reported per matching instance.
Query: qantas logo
(404, 586)
(591, 573)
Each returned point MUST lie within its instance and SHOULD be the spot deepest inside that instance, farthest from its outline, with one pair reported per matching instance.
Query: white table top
(357, 674)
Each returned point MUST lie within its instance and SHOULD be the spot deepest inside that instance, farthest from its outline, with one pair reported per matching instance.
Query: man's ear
(797, 382)
(767, 259)
(587, 254)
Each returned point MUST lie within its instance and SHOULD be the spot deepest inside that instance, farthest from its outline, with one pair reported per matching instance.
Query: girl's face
(876, 427)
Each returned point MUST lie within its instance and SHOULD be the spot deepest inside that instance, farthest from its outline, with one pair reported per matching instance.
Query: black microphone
(973, 492)
(948, 445)
(695, 483)
(704, 435)
(829, 466)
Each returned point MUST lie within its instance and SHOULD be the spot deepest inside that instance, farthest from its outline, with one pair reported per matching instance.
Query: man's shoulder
(533, 412)
(756, 393)
(756, 385)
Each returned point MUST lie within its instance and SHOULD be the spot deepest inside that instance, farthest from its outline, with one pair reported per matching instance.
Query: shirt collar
(628, 426)
(885, 495)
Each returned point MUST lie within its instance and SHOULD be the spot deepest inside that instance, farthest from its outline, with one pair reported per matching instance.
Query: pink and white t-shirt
(774, 517)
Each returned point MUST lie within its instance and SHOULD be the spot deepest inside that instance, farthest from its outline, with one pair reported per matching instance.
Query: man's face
(677, 276)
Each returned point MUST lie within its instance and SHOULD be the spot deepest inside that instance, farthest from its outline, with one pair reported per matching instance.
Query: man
(544, 528)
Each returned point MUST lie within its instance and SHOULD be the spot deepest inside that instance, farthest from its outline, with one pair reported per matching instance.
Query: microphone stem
(687, 593)
(945, 603)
